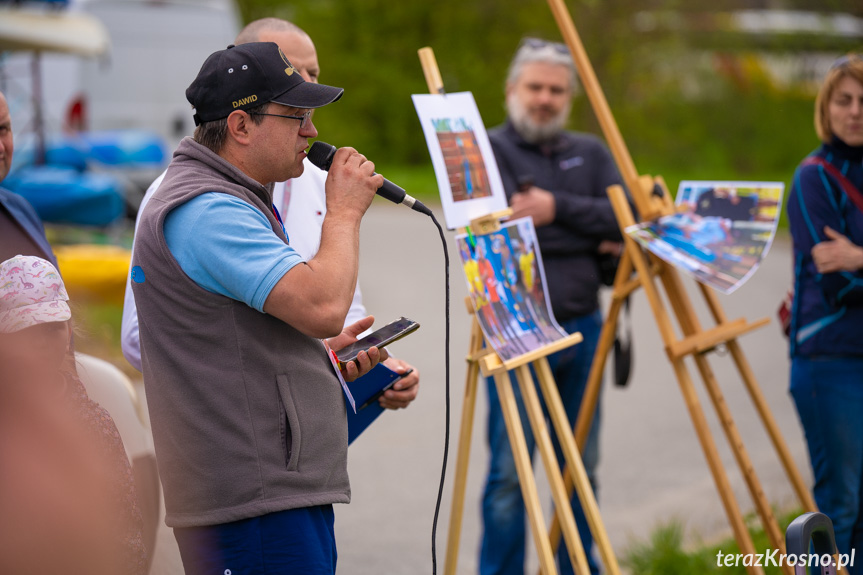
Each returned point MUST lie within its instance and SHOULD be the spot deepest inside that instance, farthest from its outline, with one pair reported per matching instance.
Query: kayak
(94, 272)
(65, 195)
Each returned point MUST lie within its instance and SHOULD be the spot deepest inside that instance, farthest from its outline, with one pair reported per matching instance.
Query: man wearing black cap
(246, 407)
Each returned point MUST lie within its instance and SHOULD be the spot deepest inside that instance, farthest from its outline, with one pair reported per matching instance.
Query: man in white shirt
(301, 201)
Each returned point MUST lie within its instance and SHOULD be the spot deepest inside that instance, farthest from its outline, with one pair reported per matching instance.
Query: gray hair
(213, 134)
(536, 50)
(252, 30)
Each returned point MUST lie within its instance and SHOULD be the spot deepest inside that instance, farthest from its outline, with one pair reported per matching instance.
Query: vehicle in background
(156, 49)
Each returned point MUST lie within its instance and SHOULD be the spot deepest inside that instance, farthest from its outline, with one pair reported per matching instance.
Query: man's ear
(239, 123)
(509, 89)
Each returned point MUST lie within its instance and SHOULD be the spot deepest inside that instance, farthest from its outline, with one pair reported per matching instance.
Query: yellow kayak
(94, 272)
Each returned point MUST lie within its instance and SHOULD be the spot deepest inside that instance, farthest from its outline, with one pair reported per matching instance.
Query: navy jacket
(827, 314)
(24, 214)
(576, 169)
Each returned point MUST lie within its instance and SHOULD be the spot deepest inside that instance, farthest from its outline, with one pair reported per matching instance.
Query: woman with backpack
(825, 213)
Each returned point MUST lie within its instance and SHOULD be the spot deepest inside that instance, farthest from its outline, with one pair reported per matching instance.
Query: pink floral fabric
(31, 292)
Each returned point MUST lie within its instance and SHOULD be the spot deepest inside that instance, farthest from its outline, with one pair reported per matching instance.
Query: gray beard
(532, 132)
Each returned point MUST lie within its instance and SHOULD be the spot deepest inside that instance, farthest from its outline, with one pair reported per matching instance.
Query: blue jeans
(503, 512)
(828, 393)
(294, 541)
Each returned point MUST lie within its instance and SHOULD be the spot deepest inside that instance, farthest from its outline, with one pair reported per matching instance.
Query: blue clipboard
(363, 389)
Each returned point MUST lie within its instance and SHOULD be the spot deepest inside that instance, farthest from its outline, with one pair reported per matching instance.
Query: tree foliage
(675, 99)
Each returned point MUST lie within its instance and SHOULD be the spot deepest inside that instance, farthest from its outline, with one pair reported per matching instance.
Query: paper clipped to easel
(467, 174)
(507, 286)
(720, 233)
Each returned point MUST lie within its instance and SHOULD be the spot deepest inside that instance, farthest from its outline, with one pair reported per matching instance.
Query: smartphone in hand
(381, 338)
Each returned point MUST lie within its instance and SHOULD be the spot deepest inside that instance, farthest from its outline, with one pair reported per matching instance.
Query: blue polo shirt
(227, 247)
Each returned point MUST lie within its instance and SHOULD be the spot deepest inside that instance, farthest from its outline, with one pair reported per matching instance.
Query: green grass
(667, 553)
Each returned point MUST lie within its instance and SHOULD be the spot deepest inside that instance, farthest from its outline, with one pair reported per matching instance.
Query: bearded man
(559, 179)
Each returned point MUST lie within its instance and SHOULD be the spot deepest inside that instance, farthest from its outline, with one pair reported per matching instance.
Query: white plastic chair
(110, 388)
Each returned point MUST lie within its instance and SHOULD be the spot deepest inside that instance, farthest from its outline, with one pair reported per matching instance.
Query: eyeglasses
(304, 119)
(845, 61)
(539, 44)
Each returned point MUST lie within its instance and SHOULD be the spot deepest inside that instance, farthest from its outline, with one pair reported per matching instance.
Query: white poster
(467, 175)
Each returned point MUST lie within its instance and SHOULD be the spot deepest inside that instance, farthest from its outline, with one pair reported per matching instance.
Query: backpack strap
(847, 186)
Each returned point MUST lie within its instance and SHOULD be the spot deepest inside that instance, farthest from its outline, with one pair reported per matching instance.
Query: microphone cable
(447, 394)
(321, 155)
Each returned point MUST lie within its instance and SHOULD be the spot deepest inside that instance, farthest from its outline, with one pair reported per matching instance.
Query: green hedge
(738, 126)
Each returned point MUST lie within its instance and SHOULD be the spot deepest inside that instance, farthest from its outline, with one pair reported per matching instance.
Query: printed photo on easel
(720, 233)
(507, 287)
(468, 179)
(465, 167)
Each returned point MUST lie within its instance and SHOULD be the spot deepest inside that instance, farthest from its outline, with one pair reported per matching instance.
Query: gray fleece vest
(248, 416)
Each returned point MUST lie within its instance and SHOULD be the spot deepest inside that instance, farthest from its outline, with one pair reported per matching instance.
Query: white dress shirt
(301, 202)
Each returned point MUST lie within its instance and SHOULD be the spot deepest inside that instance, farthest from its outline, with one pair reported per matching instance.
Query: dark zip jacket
(827, 312)
(576, 169)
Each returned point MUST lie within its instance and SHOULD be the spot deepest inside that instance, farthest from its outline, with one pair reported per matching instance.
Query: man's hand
(536, 203)
(611, 248)
(351, 184)
(404, 390)
(365, 361)
(315, 297)
(837, 254)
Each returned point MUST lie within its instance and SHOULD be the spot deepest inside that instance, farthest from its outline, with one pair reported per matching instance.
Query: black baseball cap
(249, 75)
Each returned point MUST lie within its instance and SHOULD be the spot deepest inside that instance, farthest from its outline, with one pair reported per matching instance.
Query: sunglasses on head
(844, 61)
(539, 44)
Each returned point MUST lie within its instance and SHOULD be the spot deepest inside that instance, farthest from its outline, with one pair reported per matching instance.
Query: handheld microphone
(321, 155)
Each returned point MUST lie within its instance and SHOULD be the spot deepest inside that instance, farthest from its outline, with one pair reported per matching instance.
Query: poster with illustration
(507, 287)
(464, 164)
(720, 233)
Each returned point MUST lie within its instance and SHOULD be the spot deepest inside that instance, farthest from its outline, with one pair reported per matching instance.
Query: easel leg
(690, 325)
(687, 389)
(557, 413)
(523, 467)
(682, 307)
(803, 493)
(461, 468)
(732, 510)
(594, 384)
(762, 505)
(552, 468)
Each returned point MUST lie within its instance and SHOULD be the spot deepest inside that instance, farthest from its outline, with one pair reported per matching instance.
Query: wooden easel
(482, 359)
(652, 199)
